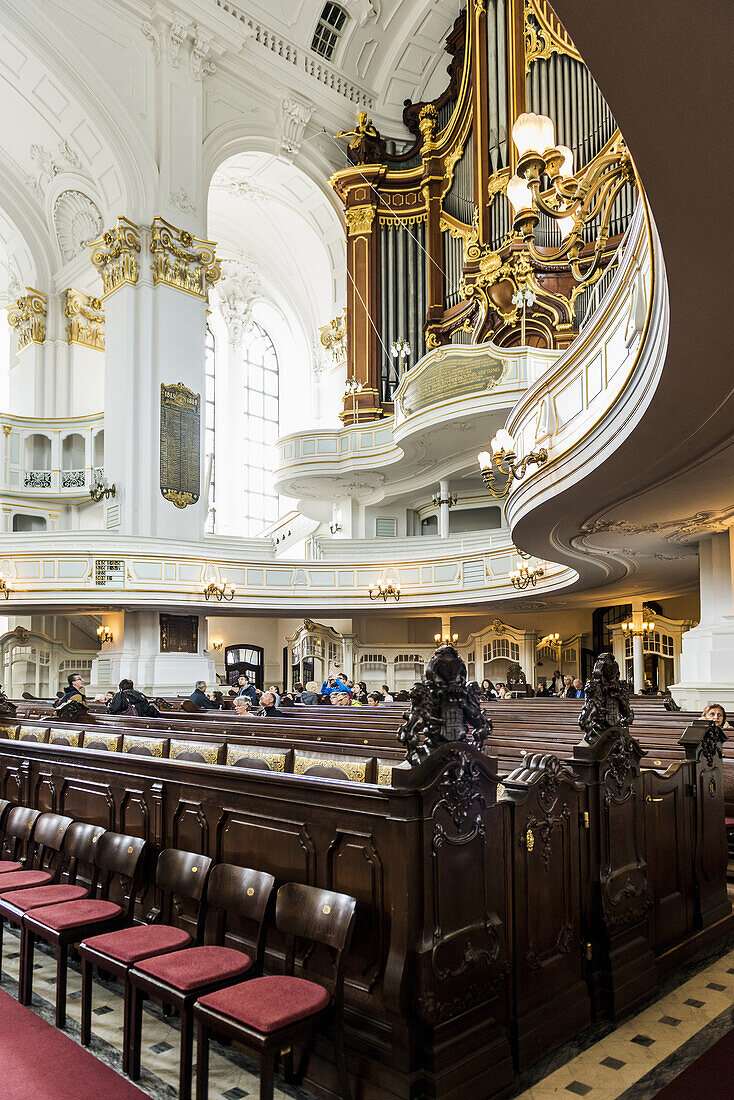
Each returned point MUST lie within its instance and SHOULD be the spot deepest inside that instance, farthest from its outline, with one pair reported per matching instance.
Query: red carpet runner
(711, 1075)
(37, 1062)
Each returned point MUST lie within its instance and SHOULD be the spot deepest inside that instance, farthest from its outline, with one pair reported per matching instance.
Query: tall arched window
(209, 437)
(260, 429)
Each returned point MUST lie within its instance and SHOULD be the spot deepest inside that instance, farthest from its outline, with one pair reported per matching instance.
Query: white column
(707, 654)
(443, 510)
(135, 653)
(638, 663)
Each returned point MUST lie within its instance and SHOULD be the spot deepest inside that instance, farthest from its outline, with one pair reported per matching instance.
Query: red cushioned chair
(269, 1015)
(43, 860)
(119, 860)
(5, 808)
(178, 978)
(181, 877)
(18, 832)
(77, 853)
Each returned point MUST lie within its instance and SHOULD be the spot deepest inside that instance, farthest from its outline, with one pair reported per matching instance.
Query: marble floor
(633, 1061)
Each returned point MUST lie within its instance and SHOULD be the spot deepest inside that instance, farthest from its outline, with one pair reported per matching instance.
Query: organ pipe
(403, 296)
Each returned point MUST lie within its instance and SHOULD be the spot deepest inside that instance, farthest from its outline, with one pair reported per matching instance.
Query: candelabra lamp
(4, 588)
(445, 639)
(352, 387)
(526, 575)
(523, 299)
(400, 350)
(573, 201)
(384, 590)
(219, 591)
(101, 489)
(632, 628)
(438, 500)
(217, 643)
(335, 527)
(503, 453)
(104, 635)
(550, 640)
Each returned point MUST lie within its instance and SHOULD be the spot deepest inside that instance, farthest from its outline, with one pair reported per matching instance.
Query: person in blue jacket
(333, 684)
(244, 687)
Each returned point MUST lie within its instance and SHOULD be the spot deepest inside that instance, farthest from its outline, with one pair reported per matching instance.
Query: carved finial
(444, 707)
(606, 700)
(427, 122)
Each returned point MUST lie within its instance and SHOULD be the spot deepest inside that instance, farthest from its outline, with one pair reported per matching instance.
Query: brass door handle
(649, 798)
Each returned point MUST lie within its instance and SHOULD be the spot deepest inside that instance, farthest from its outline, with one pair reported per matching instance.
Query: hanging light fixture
(503, 454)
(384, 590)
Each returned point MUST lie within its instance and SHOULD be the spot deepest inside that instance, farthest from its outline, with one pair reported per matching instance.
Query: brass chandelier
(572, 201)
(503, 453)
(526, 575)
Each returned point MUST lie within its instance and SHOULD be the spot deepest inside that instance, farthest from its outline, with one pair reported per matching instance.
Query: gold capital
(85, 320)
(28, 317)
(183, 261)
(359, 220)
(113, 254)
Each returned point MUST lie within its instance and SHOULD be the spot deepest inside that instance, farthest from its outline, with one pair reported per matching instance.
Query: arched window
(209, 430)
(259, 429)
(329, 30)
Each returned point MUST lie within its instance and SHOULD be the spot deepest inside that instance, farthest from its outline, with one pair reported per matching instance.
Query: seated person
(541, 692)
(274, 692)
(501, 691)
(129, 701)
(74, 688)
(268, 708)
(374, 699)
(343, 699)
(488, 690)
(242, 706)
(579, 689)
(386, 696)
(218, 698)
(245, 687)
(332, 684)
(298, 689)
(569, 691)
(286, 700)
(310, 697)
(715, 713)
(200, 697)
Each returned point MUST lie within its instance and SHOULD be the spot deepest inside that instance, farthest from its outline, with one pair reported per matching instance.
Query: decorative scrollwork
(85, 320)
(114, 255)
(712, 744)
(181, 260)
(444, 707)
(606, 700)
(28, 317)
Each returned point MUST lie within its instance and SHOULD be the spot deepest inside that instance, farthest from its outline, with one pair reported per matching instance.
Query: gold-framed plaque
(180, 478)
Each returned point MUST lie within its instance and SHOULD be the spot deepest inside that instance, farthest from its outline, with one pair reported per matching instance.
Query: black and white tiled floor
(632, 1062)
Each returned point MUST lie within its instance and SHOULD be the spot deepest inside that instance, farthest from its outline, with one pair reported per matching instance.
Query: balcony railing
(37, 479)
(73, 479)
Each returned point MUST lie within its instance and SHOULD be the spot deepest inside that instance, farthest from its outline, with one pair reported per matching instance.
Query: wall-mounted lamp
(4, 588)
(637, 628)
(550, 640)
(381, 589)
(504, 454)
(438, 500)
(217, 643)
(446, 639)
(101, 489)
(104, 635)
(526, 575)
(334, 527)
(352, 387)
(400, 349)
(219, 591)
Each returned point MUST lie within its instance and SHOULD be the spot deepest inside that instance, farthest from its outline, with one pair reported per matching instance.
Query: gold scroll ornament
(180, 444)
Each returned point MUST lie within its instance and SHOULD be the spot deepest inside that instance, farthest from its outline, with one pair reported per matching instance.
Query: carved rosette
(114, 255)
(28, 317)
(85, 320)
(359, 220)
(183, 261)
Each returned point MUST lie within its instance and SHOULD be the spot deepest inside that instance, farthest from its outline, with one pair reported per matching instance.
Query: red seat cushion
(17, 880)
(729, 822)
(60, 918)
(129, 945)
(42, 896)
(268, 1004)
(197, 966)
(9, 865)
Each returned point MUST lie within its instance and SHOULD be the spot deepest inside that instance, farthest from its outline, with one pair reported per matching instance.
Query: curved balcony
(51, 571)
(55, 459)
(446, 407)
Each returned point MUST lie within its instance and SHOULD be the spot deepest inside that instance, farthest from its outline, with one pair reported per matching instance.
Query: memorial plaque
(180, 444)
(179, 633)
(450, 374)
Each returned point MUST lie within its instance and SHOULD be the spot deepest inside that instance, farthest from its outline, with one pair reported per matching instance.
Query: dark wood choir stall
(503, 903)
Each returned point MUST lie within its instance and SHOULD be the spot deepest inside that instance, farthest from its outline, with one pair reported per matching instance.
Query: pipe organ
(432, 257)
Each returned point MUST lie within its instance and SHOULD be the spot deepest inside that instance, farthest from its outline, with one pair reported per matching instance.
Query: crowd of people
(560, 687)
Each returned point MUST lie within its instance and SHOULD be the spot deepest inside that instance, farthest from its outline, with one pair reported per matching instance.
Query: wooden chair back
(180, 877)
(44, 851)
(314, 916)
(242, 892)
(121, 858)
(80, 851)
(19, 830)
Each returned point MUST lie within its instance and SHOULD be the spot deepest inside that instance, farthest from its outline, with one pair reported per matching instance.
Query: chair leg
(2, 922)
(86, 1002)
(62, 968)
(341, 1059)
(267, 1074)
(288, 1071)
(187, 1054)
(134, 1040)
(126, 1028)
(202, 1063)
(27, 947)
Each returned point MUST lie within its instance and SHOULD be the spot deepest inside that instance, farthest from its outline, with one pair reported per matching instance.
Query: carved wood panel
(667, 809)
(353, 866)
